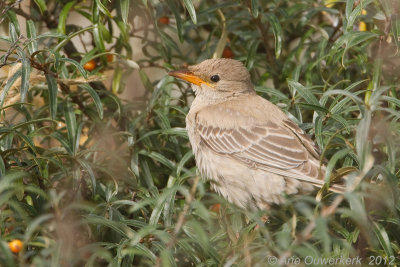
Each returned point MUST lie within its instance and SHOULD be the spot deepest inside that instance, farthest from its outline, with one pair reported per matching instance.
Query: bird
(247, 147)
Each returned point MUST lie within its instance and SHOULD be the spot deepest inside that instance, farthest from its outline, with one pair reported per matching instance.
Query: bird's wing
(281, 149)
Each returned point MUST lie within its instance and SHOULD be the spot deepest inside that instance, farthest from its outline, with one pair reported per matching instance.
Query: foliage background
(90, 178)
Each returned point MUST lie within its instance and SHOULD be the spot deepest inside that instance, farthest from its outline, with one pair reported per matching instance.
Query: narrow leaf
(76, 65)
(42, 5)
(52, 83)
(124, 9)
(190, 8)
(62, 19)
(31, 32)
(70, 122)
(277, 30)
(96, 98)
(25, 75)
(103, 9)
(254, 8)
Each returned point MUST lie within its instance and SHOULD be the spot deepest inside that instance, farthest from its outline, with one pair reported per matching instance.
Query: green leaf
(384, 240)
(334, 159)
(349, 8)
(146, 81)
(98, 38)
(189, 155)
(25, 75)
(53, 89)
(103, 9)
(395, 22)
(158, 157)
(168, 41)
(190, 8)
(64, 142)
(2, 167)
(116, 226)
(175, 11)
(8, 85)
(95, 97)
(117, 83)
(76, 65)
(105, 33)
(31, 32)
(13, 33)
(254, 8)
(36, 224)
(124, 9)
(277, 30)
(62, 18)
(42, 5)
(72, 35)
(70, 122)
(304, 92)
(85, 165)
(15, 24)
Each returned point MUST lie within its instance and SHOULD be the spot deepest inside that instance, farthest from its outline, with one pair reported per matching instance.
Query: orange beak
(188, 76)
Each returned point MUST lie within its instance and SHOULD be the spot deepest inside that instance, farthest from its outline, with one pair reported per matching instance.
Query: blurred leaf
(41, 5)
(158, 157)
(278, 34)
(190, 8)
(117, 83)
(98, 38)
(175, 10)
(96, 98)
(124, 9)
(103, 9)
(86, 166)
(395, 23)
(254, 8)
(53, 90)
(70, 122)
(169, 41)
(383, 238)
(62, 18)
(2, 167)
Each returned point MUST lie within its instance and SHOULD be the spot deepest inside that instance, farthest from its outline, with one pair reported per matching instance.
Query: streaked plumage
(249, 149)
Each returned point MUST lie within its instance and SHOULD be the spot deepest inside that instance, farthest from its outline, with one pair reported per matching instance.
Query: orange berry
(215, 207)
(15, 245)
(227, 53)
(164, 20)
(90, 65)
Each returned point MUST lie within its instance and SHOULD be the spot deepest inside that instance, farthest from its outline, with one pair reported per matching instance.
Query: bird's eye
(214, 78)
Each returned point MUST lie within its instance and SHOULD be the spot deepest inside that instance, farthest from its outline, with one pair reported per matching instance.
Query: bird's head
(218, 77)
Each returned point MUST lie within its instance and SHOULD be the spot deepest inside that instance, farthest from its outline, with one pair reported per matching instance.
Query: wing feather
(282, 149)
